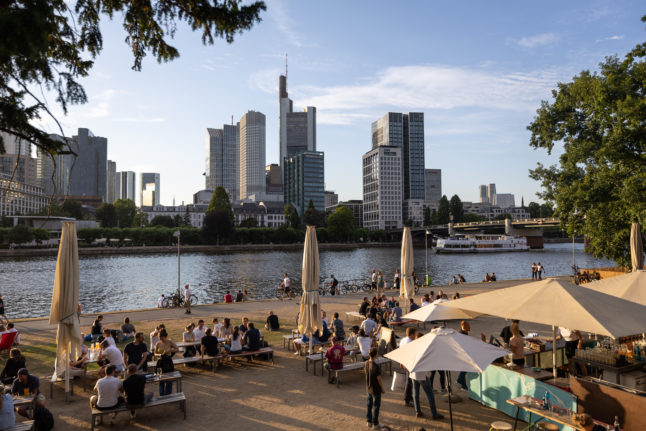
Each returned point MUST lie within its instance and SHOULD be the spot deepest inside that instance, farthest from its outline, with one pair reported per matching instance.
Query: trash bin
(428, 280)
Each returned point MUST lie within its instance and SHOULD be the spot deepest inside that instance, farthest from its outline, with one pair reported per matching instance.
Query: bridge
(532, 229)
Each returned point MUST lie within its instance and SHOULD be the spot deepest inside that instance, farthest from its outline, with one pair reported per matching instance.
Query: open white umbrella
(309, 317)
(630, 286)
(446, 349)
(636, 247)
(407, 286)
(558, 302)
(65, 302)
(438, 311)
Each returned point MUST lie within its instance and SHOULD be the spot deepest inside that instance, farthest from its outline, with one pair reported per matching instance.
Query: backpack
(165, 363)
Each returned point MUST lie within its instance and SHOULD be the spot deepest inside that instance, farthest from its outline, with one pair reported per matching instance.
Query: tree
(65, 38)
(106, 215)
(312, 216)
(20, 234)
(40, 235)
(427, 216)
(187, 217)
(140, 219)
(503, 216)
(216, 227)
(126, 211)
(471, 217)
(534, 209)
(73, 209)
(340, 224)
(249, 222)
(456, 208)
(291, 217)
(162, 220)
(600, 120)
(178, 220)
(443, 211)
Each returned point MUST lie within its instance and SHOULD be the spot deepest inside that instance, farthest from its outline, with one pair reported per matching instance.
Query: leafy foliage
(291, 217)
(444, 211)
(340, 224)
(457, 209)
(20, 234)
(427, 216)
(126, 211)
(52, 43)
(312, 216)
(599, 183)
(106, 215)
(162, 220)
(537, 210)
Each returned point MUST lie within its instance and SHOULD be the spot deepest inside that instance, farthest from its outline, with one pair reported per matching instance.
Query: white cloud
(428, 87)
(140, 120)
(266, 80)
(614, 37)
(285, 23)
(537, 40)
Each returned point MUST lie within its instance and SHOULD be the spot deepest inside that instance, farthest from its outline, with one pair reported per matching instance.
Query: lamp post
(177, 235)
(427, 280)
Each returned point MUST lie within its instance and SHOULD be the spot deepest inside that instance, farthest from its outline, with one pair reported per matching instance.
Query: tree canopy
(598, 185)
(50, 44)
(457, 209)
(340, 224)
(443, 211)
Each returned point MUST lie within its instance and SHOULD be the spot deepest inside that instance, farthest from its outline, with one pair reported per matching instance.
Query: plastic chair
(7, 341)
(500, 426)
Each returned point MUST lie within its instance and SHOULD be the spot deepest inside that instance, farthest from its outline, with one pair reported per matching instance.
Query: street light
(177, 235)
(428, 280)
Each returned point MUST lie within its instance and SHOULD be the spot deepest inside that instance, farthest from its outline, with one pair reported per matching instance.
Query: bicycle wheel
(194, 300)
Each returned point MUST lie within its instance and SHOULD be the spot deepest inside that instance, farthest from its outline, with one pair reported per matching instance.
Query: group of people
(377, 281)
(537, 271)
(489, 278)
(457, 279)
(24, 385)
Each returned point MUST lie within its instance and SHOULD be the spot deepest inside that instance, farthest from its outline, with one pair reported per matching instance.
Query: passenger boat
(481, 244)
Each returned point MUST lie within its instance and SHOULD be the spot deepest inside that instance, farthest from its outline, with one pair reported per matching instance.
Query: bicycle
(280, 293)
(177, 301)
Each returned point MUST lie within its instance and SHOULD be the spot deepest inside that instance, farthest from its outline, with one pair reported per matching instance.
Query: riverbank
(207, 249)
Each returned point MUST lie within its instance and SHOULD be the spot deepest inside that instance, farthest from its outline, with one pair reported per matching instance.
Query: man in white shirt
(187, 299)
(199, 332)
(216, 326)
(408, 389)
(373, 281)
(109, 390)
(162, 302)
(369, 326)
(425, 300)
(286, 286)
(113, 355)
(572, 339)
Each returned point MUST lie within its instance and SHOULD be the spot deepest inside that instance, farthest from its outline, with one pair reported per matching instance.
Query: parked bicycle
(177, 301)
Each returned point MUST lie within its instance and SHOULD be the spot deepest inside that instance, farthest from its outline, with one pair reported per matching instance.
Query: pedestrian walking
(374, 389)
(540, 269)
(373, 281)
(187, 299)
(397, 279)
(534, 271)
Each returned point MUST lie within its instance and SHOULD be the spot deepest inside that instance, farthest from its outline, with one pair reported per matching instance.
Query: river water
(135, 281)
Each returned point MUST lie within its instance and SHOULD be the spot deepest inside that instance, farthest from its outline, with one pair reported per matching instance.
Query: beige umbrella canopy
(437, 311)
(636, 247)
(309, 318)
(631, 286)
(558, 302)
(65, 301)
(407, 286)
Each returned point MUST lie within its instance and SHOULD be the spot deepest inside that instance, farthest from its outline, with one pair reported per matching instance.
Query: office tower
(149, 195)
(273, 179)
(405, 131)
(433, 184)
(304, 180)
(297, 129)
(125, 185)
(331, 198)
(223, 159)
(504, 200)
(145, 180)
(88, 173)
(14, 145)
(111, 187)
(383, 188)
(53, 171)
(20, 167)
(483, 194)
(491, 192)
(252, 154)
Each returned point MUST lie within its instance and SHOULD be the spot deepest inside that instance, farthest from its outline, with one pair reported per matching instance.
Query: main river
(136, 281)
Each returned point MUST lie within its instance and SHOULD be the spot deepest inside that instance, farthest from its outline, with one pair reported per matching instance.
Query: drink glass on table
(26, 392)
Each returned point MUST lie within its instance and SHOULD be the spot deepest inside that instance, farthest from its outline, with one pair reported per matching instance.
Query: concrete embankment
(214, 249)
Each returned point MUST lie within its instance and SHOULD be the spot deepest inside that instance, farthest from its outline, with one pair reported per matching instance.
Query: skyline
(478, 73)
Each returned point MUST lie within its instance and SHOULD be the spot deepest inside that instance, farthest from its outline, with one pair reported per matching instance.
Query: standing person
(187, 299)
(423, 380)
(534, 268)
(397, 279)
(572, 339)
(465, 327)
(540, 269)
(411, 334)
(373, 281)
(374, 388)
(286, 285)
(2, 313)
(333, 284)
(166, 348)
(517, 345)
(380, 282)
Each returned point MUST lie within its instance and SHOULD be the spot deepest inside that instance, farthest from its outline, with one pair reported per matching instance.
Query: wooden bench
(174, 376)
(316, 357)
(189, 360)
(381, 361)
(300, 344)
(178, 398)
(21, 426)
(288, 340)
(251, 353)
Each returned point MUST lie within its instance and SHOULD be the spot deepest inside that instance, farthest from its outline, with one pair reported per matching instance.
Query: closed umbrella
(407, 289)
(636, 247)
(65, 302)
(558, 302)
(446, 349)
(309, 317)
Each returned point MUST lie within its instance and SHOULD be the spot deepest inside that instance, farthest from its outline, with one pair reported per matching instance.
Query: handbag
(165, 363)
(399, 381)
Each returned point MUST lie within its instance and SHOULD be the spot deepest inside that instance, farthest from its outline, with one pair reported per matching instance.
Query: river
(111, 283)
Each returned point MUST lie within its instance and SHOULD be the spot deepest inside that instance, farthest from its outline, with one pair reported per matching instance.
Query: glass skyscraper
(305, 180)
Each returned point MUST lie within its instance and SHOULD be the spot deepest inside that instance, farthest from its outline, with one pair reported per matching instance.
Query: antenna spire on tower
(285, 65)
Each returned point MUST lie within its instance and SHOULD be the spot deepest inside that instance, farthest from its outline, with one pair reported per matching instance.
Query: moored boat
(481, 243)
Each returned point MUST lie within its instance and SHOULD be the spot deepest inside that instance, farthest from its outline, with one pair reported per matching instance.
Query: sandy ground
(250, 396)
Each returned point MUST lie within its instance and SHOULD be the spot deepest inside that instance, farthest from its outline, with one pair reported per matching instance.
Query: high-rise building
(491, 191)
(20, 198)
(88, 173)
(331, 198)
(145, 179)
(53, 171)
(304, 180)
(504, 200)
(383, 188)
(222, 159)
(125, 185)
(273, 179)
(433, 184)
(20, 167)
(252, 154)
(483, 193)
(14, 145)
(297, 129)
(149, 195)
(405, 131)
(111, 187)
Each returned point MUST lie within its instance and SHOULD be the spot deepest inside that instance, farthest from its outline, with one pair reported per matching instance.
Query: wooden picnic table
(24, 401)
(173, 376)
(184, 344)
(320, 356)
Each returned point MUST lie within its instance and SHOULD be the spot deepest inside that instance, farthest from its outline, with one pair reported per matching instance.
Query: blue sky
(478, 71)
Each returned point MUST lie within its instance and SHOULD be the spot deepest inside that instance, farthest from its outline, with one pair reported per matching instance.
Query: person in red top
(228, 298)
(334, 356)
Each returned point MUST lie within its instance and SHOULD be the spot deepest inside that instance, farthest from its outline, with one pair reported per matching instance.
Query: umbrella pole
(67, 371)
(311, 343)
(554, 352)
(448, 384)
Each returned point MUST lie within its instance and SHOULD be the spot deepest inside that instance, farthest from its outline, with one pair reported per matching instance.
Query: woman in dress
(165, 347)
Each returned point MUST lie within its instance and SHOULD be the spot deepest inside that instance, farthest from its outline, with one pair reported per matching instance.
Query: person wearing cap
(25, 384)
(43, 418)
(7, 415)
(334, 356)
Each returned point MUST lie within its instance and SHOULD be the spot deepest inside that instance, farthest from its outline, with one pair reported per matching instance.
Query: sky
(478, 71)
